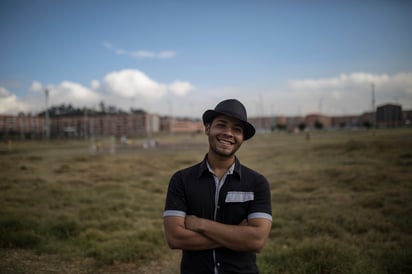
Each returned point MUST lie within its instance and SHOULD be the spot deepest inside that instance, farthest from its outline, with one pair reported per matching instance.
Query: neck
(217, 162)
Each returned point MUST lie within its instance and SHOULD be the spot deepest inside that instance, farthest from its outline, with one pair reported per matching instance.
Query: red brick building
(318, 120)
(24, 126)
(141, 124)
(389, 115)
(181, 125)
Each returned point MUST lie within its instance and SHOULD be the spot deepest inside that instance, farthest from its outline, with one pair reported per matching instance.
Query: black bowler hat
(232, 108)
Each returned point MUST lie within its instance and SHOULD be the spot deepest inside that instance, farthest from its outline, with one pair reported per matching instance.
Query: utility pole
(262, 105)
(85, 131)
(47, 121)
(373, 106)
(320, 105)
(261, 112)
(171, 123)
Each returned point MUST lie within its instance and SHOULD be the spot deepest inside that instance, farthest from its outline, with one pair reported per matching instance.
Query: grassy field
(342, 203)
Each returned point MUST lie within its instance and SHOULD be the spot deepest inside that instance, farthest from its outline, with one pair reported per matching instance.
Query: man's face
(225, 135)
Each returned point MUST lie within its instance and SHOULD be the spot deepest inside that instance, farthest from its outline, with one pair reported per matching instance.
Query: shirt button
(218, 206)
(218, 264)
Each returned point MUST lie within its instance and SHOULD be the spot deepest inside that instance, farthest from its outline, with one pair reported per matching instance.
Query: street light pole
(374, 114)
(47, 122)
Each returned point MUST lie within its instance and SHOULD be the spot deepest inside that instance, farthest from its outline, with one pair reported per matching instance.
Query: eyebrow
(239, 124)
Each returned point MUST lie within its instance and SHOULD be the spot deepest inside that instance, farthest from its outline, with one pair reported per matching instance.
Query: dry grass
(341, 203)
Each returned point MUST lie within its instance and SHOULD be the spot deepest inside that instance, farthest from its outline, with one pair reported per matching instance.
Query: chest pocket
(239, 197)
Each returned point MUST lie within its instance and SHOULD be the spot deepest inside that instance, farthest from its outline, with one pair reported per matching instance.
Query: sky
(181, 58)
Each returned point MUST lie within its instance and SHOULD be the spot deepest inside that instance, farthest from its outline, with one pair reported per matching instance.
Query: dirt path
(26, 261)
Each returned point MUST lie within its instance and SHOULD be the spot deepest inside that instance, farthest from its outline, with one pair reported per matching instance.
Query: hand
(244, 222)
(192, 223)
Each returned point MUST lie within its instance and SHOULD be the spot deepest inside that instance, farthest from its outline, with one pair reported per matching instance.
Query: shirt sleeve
(261, 206)
(175, 198)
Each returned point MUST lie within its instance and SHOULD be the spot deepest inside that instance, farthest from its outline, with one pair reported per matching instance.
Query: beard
(219, 150)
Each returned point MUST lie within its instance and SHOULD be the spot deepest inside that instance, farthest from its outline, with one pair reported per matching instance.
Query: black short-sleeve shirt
(245, 194)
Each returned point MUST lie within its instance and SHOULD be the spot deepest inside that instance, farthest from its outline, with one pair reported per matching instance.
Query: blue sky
(182, 57)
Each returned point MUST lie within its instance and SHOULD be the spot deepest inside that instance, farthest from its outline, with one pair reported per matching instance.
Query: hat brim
(248, 128)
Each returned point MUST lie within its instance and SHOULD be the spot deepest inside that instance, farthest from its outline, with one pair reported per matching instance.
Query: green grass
(341, 202)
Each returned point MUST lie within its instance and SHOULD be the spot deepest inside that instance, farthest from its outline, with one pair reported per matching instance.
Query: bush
(18, 232)
(321, 256)
(302, 126)
(318, 125)
(396, 261)
(64, 229)
(127, 248)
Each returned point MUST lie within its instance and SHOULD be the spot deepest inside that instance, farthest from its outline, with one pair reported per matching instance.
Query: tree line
(69, 110)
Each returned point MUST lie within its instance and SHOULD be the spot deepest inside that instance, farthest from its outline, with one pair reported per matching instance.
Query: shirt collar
(234, 169)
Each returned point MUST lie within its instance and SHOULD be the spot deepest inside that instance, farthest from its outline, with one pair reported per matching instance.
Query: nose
(228, 132)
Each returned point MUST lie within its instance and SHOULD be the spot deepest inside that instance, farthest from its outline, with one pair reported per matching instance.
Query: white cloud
(166, 54)
(95, 84)
(4, 92)
(133, 83)
(341, 81)
(120, 52)
(64, 93)
(141, 54)
(10, 104)
(107, 44)
(123, 89)
(181, 88)
(346, 93)
(36, 87)
(72, 93)
(338, 95)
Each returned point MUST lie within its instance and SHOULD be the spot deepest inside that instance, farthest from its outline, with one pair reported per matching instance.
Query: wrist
(198, 225)
(194, 223)
(201, 225)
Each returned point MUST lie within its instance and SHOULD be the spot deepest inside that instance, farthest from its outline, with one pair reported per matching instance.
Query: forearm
(250, 237)
(235, 237)
(191, 240)
(178, 237)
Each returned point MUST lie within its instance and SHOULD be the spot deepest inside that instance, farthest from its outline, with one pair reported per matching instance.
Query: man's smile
(225, 141)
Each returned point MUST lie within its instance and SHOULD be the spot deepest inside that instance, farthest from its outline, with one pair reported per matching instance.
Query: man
(219, 211)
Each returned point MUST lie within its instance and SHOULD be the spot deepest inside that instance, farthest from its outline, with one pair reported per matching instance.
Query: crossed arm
(193, 233)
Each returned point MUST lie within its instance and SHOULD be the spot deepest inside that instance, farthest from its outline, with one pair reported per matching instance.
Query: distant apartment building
(263, 123)
(389, 115)
(318, 121)
(295, 122)
(347, 121)
(270, 123)
(407, 117)
(142, 124)
(131, 125)
(23, 126)
(368, 119)
(313, 121)
(180, 125)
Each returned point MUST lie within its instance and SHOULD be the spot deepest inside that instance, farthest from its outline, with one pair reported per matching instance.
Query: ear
(207, 129)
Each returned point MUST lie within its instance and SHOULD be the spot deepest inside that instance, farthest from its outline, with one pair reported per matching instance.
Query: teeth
(225, 142)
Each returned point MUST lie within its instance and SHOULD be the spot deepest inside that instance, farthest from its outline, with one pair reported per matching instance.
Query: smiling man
(218, 212)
